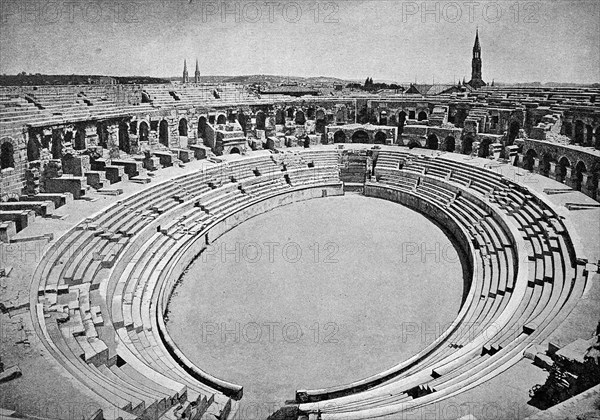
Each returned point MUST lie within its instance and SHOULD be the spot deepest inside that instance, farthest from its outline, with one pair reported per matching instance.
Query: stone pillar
(173, 133)
(568, 179)
(536, 165)
(112, 143)
(586, 184)
(520, 160)
(552, 172)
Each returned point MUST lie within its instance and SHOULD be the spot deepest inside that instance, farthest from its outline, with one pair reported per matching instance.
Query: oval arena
(111, 208)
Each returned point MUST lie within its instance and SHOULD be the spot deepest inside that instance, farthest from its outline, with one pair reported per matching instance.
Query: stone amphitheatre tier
(98, 296)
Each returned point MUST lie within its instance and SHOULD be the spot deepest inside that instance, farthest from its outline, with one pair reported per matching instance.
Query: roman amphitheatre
(195, 250)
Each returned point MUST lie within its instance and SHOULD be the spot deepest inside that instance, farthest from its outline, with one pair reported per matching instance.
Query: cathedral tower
(186, 78)
(197, 73)
(476, 80)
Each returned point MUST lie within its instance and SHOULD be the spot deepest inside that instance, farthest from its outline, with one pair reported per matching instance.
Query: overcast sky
(387, 40)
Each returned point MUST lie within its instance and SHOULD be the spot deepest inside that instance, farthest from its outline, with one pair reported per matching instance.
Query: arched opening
(133, 127)
(290, 113)
(320, 121)
(221, 119)
(68, 138)
(360, 136)
(339, 137)
(561, 169)
(300, 118)
(567, 129)
(545, 164)
(183, 128)
(7, 155)
(211, 119)
(310, 113)
(280, 117)
(589, 136)
(57, 144)
(383, 119)
(124, 143)
(144, 131)
(413, 144)
(234, 151)
(467, 145)
(163, 133)
(33, 148)
(260, 120)
(450, 144)
(102, 132)
(484, 148)
(578, 132)
(422, 116)
(242, 120)
(380, 137)
(339, 116)
(513, 132)
(401, 121)
(201, 127)
(432, 142)
(529, 160)
(580, 169)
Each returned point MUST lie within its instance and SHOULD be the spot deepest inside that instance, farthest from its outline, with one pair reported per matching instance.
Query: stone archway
(484, 148)
(221, 119)
(422, 116)
(124, 143)
(529, 159)
(183, 128)
(280, 117)
(101, 130)
(339, 137)
(260, 120)
(234, 151)
(33, 148)
(163, 133)
(202, 122)
(513, 132)
(467, 145)
(380, 138)
(360, 136)
(7, 154)
(545, 164)
(450, 144)
(561, 169)
(300, 118)
(432, 142)
(580, 169)
(579, 136)
(144, 131)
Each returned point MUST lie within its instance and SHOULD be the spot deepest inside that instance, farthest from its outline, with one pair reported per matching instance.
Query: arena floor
(279, 317)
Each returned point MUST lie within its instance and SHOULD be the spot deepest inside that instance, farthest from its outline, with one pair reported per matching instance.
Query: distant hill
(38, 79)
(271, 79)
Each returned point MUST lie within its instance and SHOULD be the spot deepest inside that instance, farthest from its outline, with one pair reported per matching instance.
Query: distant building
(476, 81)
(186, 77)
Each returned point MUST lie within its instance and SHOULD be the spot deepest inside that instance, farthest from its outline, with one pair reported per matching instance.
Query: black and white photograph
(300, 209)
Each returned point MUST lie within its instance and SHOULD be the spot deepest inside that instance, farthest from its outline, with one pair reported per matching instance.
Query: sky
(426, 41)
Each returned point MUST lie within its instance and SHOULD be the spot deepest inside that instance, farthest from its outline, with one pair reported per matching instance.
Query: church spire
(476, 78)
(186, 78)
(197, 73)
